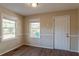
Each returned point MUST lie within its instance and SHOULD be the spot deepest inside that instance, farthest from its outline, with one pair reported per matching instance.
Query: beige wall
(9, 44)
(46, 20)
(47, 28)
(78, 29)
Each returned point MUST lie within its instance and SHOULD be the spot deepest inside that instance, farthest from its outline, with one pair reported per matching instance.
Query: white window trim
(36, 20)
(2, 29)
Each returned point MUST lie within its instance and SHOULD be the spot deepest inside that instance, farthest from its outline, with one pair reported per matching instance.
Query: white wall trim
(74, 51)
(51, 48)
(39, 46)
(11, 49)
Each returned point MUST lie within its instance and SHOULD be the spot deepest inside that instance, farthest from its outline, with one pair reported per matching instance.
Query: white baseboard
(74, 51)
(51, 48)
(11, 49)
(38, 46)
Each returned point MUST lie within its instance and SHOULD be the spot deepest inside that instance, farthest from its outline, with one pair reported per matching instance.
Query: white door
(62, 32)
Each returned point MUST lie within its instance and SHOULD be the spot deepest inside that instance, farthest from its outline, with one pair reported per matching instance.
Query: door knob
(67, 35)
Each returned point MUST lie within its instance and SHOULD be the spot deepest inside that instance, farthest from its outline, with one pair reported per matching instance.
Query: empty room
(39, 29)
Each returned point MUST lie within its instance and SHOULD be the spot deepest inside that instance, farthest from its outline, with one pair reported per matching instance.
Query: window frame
(2, 28)
(30, 30)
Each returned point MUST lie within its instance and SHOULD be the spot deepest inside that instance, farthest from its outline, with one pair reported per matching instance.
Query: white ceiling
(25, 9)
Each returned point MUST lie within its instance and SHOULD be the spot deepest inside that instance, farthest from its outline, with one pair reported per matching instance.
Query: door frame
(54, 31)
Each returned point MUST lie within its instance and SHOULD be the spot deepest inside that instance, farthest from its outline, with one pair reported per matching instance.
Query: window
(35, 30)
(8, 28)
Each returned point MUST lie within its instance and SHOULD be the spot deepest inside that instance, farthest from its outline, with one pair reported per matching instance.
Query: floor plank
(36, 51)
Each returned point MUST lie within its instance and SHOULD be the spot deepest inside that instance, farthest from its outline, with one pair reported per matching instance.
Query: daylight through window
(35, 30)
(8, 28)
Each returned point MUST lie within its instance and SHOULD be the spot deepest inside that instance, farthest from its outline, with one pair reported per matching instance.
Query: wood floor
(35, 51)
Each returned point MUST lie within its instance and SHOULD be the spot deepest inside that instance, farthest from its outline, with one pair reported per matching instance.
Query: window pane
(35, 30)
(8, 28)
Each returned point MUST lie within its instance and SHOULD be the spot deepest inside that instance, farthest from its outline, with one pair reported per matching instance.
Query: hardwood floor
(35, 51)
